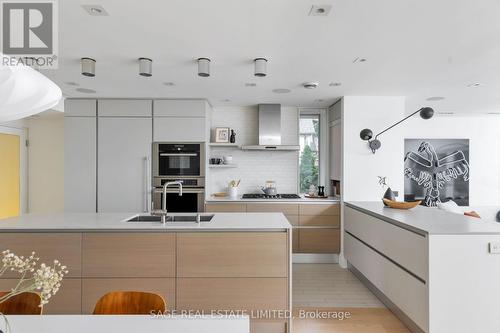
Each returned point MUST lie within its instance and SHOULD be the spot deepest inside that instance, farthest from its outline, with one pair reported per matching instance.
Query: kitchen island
(237, 262)
(436, 270)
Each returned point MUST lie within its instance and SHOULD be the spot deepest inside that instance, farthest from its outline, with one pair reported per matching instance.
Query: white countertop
(100, 222)
(127, 324)
(301, 200)
(426, 220)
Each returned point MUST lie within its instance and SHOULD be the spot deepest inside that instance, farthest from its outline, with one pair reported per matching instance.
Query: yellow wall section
(9, 175)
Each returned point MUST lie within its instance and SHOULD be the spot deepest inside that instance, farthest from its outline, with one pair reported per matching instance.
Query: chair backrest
(129, 303)
(22, 304)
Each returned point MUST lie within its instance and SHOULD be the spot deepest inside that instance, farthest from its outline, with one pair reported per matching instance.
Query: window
(309, 140)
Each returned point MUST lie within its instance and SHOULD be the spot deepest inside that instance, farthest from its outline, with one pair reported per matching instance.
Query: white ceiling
(417, 49)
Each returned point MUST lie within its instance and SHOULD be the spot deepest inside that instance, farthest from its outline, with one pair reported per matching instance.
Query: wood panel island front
(238, 262)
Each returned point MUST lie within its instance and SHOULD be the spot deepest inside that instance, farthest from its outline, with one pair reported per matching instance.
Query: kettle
(269, 188)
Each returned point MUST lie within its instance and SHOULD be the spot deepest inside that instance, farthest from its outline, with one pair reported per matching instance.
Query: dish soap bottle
(232, 138)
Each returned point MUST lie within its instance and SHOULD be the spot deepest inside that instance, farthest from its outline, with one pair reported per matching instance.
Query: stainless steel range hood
(270, 129)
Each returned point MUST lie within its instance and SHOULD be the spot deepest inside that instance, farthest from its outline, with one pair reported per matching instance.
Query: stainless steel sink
(171, 218)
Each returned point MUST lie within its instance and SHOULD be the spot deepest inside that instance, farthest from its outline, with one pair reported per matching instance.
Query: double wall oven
(184, 162)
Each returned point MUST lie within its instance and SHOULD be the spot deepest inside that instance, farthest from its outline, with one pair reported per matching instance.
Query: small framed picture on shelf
(222, 134)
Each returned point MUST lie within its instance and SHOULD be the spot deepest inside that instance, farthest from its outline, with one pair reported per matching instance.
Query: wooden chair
(129, 303)
(22, 304)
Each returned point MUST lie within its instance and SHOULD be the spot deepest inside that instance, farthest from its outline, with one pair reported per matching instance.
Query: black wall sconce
(367, 134)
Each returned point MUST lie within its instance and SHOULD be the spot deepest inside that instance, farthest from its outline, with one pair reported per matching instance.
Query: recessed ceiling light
(319, 100)
(475, 85)
(311, 85)
(446, 113)
(494, 113)
(225, 100)
(168, 84)
(70, 83)
(435, 98)
(281, 91)
(335, 84)
(320, 10)
(95, 10)
(250, 84)
(86, 91)
(359, 60)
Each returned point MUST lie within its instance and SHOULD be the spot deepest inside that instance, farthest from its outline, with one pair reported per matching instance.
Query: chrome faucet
(163, 212)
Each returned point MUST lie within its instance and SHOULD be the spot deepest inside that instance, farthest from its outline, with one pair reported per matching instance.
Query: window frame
(322, 143)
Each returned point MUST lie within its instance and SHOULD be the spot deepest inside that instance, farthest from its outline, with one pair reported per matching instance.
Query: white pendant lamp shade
(260, 67)
(145, 67)
(25, 92)
(88, 67)
(203, 67)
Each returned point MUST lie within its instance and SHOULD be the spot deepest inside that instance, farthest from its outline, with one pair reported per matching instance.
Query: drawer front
(232, 254)
(225, 208)
(287, 209)
(320, 209)
(66, 301)
(128, 255)
(319, 240)
(404, 290)
(94, 289)
(232, 294)
(48, 247)
(408, 249)
(293, 219)
(319, 221)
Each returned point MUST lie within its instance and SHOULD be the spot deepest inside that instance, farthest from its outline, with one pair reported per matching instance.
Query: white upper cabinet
(180, 120)
(124, 155)
(80, 154)
(80, 108)
(180, 108)
(124, 108)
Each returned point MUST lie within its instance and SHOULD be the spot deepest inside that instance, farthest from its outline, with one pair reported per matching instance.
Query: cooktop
(265, 196)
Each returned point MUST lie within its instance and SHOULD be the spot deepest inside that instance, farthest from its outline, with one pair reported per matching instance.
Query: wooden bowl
(401, 204)
(220, 194)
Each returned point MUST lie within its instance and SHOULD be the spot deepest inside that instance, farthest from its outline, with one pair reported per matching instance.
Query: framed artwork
(437, 170)
(222, 134)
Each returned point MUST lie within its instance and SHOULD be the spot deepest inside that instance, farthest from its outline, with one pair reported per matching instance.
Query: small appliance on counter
(270, 188)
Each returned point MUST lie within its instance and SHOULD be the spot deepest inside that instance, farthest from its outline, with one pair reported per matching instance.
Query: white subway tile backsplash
(255, 167)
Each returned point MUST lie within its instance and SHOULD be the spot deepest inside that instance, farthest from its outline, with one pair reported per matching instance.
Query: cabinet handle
(147, 176)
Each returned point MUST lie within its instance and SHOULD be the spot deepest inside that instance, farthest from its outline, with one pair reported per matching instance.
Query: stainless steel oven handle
(178, 154)
(159, 190)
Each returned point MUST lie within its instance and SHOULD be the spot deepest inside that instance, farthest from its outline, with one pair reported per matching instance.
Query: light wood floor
(362, 320)
(329, 288)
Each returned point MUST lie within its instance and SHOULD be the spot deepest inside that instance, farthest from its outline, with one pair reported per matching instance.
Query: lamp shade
(25, 92)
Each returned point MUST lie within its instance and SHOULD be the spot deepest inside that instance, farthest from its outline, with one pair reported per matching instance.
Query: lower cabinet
(95, 288)
(316, 226)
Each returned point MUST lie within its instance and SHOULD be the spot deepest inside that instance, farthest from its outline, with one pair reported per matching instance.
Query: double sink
(172, 218)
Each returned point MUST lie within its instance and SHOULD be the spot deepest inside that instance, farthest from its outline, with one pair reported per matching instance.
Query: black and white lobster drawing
(428, 170)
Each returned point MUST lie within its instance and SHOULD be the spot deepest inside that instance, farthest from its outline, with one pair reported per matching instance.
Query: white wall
(46, 163)
(361, 167)
(255, 167)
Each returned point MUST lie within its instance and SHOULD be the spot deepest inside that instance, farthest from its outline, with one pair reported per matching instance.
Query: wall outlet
(495, 247)
(396, 193)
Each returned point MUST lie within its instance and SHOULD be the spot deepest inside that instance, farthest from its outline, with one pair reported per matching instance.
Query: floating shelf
(226, 145)
(222, 166)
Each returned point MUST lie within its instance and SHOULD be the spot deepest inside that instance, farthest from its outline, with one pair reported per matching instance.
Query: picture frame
(222, 134)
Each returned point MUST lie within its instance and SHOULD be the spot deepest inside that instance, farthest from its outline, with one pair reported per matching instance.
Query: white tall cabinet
(80, 129)
(124, 155)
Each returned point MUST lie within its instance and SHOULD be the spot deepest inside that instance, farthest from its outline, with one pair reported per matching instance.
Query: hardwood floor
(362, 320)
(333, 291)
(329, 286)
